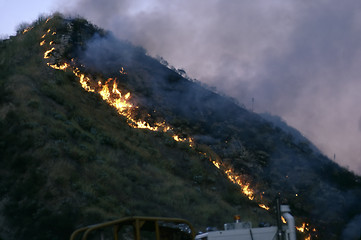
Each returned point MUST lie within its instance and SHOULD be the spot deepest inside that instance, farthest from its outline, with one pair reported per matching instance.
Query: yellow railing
(162, 228)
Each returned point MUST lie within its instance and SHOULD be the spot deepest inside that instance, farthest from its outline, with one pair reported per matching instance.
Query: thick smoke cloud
(353, 229)
(297, 59)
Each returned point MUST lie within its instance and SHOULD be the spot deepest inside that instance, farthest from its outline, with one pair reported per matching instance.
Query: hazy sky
(15, 12)
(298, 59)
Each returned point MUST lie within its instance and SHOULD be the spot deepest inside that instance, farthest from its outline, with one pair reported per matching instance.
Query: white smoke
(297, 59)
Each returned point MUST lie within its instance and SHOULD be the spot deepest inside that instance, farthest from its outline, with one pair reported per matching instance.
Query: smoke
(297, 59)
(353, 229)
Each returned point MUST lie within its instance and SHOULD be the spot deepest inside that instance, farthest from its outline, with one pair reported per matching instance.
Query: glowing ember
(27, 29)
(46, 54)
(42, 43)
(305, 228)
(217, 164)
(122, 71)
(283, 220)
(61, 67)
(143, 124)
(263, 206)
(302, 228)
(179, 139)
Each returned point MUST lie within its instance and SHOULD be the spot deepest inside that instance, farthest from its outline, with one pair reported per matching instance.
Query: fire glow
(109, 92)
(263, 206)
(46, 54)
(236, 179)
(27, 30)
(305, 228)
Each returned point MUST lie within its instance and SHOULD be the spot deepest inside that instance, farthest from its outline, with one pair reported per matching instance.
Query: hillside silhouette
(93, 129)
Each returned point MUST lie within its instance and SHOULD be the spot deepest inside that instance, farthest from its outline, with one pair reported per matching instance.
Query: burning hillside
(169, 137)
(111, 94)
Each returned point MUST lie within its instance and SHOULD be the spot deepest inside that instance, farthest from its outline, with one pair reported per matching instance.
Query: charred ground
(68, 157)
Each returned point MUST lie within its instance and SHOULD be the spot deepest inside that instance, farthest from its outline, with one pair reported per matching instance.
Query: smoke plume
(297, 59)
(353, 229)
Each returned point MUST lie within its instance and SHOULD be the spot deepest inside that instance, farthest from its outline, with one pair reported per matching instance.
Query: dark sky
(298, 59)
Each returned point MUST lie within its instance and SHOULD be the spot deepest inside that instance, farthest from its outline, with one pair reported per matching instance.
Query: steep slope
(70, 158)
(271, 157)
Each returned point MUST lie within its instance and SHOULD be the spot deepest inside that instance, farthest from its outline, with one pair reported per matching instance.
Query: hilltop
(68, 157)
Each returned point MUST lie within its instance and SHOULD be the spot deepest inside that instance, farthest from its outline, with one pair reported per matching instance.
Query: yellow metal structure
(141, 228)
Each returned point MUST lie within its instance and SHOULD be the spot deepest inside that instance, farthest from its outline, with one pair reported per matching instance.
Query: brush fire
(121, 101)
(110, 93)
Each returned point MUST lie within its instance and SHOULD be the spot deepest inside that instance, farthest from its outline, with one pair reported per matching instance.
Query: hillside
(68, 157)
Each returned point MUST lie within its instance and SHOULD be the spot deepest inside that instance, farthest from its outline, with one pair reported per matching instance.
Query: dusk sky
(298, 59)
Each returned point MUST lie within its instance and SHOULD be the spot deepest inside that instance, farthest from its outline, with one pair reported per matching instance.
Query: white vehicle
(159, 228)
(244, 231)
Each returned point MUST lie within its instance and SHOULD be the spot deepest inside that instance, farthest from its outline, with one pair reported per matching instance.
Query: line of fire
(121, 101)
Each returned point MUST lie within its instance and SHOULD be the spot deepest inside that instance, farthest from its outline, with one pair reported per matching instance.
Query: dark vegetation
(67, 159)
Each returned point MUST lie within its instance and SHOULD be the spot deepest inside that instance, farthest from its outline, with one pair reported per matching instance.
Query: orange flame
(46, 54)
(263, 206)
(305, 228)
(122, 71)
(217, 164)
(302, 228)
(179, 139)
(61, 67)
(246, 190)
(27, 30)
(83, 80)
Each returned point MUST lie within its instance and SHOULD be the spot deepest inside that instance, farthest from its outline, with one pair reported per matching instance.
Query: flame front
(61, 67)
(263, 206)
(236, 179)
(27, 30)
(302, 228)
(305, 228)
(246, 190)
(46, 54)
(110, 93)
